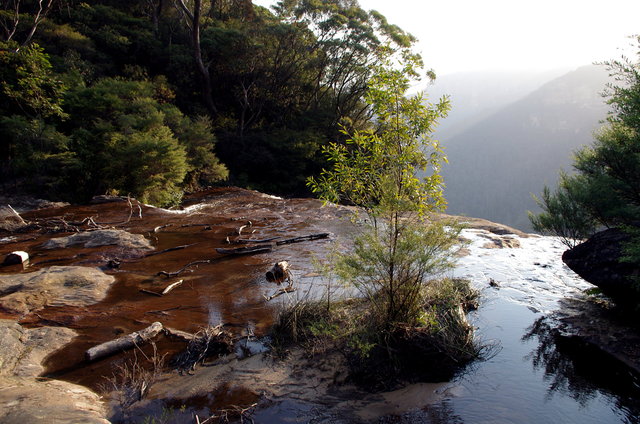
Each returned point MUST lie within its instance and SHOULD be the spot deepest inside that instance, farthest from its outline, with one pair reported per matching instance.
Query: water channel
(530, 376)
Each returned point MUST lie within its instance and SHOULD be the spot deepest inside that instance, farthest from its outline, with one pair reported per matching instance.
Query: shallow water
(532, 377)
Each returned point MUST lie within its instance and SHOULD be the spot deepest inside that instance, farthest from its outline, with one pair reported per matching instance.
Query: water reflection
(576, 368)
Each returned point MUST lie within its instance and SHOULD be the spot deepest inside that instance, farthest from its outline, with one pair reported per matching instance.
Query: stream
(530, 375)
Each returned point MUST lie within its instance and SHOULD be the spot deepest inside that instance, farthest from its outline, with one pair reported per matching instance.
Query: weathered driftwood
(248, 250)
(123, 343)
(287, 289)
(280, 272)
(303, 238)
(171, 287)
(184, 268)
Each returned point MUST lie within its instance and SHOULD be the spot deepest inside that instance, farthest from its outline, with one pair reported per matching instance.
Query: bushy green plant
(399, 248)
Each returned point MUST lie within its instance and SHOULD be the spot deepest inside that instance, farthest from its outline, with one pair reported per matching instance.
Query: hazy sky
(472, 35)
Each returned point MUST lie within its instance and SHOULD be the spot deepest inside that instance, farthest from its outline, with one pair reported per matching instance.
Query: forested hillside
(157, 97)
(496, 163)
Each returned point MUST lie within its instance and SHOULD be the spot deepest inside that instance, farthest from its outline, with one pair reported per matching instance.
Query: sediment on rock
(53, 286)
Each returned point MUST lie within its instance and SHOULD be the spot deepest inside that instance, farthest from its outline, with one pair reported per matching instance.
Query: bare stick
(171, 249)
(280, 292)
(302, 238)
(245, 250)
(181, 270)
(160, 227)
(151, 292)
(18, 215)
(164, 311)
(122, 343)
(247, 241)
(171, 287)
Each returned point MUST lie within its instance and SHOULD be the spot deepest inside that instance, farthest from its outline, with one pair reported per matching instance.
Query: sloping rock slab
(54, 286)
(597, 260)
(23, 350)
(9, 221)
(97, 238)
(24, 398)
(30, 400)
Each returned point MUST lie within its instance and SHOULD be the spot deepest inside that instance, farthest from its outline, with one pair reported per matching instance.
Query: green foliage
(564, 214)
(27, 84)
(132, 143)
(277, 84)
(398, 250)
(605, 191)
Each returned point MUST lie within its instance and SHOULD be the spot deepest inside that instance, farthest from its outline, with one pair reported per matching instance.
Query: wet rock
(15, 258)
(97, 238)
(23, 350)
(34, 401)
(27, 203)
(11, 221)
(500, 242)
(55, 286)
(24, 398)
(597, 260)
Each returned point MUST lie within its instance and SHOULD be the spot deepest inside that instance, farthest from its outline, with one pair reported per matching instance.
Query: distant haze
(471, 35)
(504, 147)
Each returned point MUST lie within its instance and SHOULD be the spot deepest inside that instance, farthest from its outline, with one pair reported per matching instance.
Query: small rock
(493, 283)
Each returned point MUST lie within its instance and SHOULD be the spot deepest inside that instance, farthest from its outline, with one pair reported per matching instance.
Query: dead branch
(126, 342)
(164, 311)
(303, 238)
(22, 221)
(171, 249)
(184, 268)
(247, 241)
(171, 287)
(207, 342)
(280, 292)
(248, 250)
(151, 292)
(228, 414)
(160, 227)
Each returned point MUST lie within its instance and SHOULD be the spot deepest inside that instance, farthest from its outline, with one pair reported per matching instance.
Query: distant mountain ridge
(497, 161)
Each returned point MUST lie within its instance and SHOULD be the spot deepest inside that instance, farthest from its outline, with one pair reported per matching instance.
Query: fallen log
(248, 250)
(134, 339)
(303, 238)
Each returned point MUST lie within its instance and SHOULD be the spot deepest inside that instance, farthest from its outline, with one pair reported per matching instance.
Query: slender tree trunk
(203, 68)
